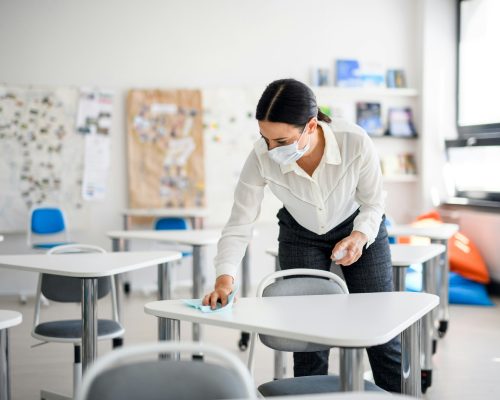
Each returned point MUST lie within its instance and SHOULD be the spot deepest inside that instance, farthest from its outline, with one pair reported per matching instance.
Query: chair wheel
(197, 357)
(443, 327)
(426, 379)
(243, 342)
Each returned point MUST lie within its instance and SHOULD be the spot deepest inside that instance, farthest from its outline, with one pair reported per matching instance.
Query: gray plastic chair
(69, 290)
(300, 282)
(115, 376)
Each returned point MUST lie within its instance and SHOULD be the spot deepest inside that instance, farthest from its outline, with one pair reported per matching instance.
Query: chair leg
(117, 342)
(77, 369)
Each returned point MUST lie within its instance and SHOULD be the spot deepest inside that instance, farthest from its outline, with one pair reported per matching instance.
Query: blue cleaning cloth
(197, 303)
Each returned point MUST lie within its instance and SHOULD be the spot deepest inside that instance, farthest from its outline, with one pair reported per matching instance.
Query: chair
(114, 376)
(69, 290)
(47, 221)
(299, 282)
(173, 223)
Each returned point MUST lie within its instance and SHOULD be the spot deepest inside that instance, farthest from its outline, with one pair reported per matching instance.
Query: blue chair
(388, 223)
(173, 223)
(47, 221)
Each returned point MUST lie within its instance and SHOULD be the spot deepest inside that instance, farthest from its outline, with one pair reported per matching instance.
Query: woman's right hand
(223, 288)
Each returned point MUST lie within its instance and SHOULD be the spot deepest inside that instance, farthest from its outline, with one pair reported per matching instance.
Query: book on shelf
(369, 118)
(320, 77)
(352, 73)
(400, 122)
(399, 165)
(396, 78)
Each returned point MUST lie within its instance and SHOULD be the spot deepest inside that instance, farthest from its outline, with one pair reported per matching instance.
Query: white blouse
(348, 177)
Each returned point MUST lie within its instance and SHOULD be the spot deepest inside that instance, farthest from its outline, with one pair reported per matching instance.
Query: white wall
(122, 44)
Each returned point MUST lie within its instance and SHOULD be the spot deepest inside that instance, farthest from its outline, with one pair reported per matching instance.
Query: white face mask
(288, 154)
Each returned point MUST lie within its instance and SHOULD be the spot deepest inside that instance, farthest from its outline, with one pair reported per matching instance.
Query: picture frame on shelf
(320, 77)
(396, 78)
(368, 116)
(400, 122)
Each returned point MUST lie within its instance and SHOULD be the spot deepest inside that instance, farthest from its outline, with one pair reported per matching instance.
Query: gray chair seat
(308, 385)
(179, 380)
(72, 328)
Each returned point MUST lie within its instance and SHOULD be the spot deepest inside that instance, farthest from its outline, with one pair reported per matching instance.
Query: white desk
(198, 240)
(8, 319)
(355, 321)
(437, 234)
(402, 256)
(345, 396)
(195, 215)
(88, 267)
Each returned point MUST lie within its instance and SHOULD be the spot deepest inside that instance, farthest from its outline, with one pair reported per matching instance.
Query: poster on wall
(41, 155)
(96, 167)
(95, 108)
(165, 149)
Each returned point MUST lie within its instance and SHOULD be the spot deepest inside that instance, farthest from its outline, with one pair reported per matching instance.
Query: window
(478, 78)
(472, 167)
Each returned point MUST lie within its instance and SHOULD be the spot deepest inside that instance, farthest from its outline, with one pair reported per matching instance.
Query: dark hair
(289, 101)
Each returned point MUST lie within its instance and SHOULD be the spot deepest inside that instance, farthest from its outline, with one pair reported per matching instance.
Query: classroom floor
(467, 363)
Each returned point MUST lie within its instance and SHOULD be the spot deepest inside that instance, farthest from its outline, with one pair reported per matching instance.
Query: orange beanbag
(463, 254)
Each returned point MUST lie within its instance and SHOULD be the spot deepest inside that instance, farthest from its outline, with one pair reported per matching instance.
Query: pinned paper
(198, 303)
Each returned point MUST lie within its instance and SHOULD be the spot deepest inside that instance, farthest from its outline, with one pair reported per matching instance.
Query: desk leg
(444, 312)
(197, 222)
(436, 265)
(428, 274)
(245, 273)
(125, 247)
(245, 291)
(399, 275)
(115, 246)
(410, 361)
(197, 285)
(125, 222)
(279, 365)
(89, 322)
(4, 365)
(351, 370)
(175, 331)
(164, 331)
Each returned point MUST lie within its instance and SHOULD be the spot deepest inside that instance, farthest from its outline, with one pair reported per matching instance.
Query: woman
(328, 177)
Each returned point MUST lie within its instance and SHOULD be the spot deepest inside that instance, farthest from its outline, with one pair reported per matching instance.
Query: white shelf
(365, 91)
(400, 178)
(393, 137)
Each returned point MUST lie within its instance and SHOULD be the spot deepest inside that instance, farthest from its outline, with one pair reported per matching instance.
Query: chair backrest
(66, 289)
(46, 220)
(170, 223)
(296, 282)
(69, 290)
(115, 376)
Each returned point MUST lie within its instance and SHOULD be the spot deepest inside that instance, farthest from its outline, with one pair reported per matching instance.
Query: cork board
(165, 149)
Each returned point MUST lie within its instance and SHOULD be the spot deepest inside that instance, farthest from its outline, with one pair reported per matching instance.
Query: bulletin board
(165, 149)
(41, 154)
(230, 131)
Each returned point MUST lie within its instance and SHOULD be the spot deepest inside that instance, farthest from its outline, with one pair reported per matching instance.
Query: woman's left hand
(353, 247)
